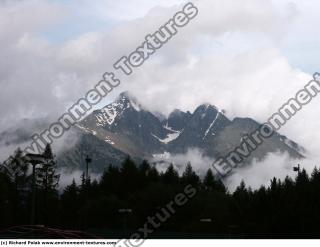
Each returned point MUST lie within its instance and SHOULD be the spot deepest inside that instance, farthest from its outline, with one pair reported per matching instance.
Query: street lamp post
(34, 160)
(296, 168)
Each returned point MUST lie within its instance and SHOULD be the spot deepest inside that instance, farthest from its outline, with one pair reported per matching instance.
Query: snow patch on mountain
(169, 138)
(135, 105)
(164, 155)
(292, 145)
(167, 127)
(107, 139)
(214, 120)
(85, 129)
(110, 113)
(114, 110)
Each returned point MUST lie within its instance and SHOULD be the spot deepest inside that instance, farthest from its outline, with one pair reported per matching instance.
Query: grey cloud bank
(252, 141)
(231, 55)
(106, 85)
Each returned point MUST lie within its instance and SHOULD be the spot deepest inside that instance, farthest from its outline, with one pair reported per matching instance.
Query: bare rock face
(125, 127)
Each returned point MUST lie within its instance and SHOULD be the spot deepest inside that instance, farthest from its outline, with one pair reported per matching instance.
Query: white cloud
(234, 54)
(198, 160)
(261, 173)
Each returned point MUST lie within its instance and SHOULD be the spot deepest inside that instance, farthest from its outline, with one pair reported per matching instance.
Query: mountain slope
(129, 128)
(124, 127)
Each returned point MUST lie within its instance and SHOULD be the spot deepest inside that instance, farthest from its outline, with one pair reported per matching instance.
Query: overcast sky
(246, 56)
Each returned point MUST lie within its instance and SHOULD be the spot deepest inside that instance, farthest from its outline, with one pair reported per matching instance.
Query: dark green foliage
(190, 177)
(170, 176)
(70, 202)
(284, 209)
(211, 183)
(16, 189)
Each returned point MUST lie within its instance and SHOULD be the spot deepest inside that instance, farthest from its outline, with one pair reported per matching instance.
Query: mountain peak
(176, 112)
(177, 119)
(108, 114)
(127, 127)
(129, 100)
(204, 109)
(125, 95)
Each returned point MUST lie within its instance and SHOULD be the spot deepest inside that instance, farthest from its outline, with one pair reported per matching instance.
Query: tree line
(284, 209)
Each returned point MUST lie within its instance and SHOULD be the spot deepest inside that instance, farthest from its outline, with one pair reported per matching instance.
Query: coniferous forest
(123, 199)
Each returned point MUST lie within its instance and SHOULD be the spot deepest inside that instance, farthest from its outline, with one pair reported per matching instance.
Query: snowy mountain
(125, 127)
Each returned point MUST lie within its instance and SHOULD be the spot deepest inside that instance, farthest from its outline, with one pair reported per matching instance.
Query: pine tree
(189, 176)
(46, 176)
(211, 183)
(47, 181)
(153, 175)
(171, 176)
(144, 170)
(71, 203)
(83, 181)
(302, 179)
(241, 192)
(130, 175)
(17, 169)
(209, 180)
